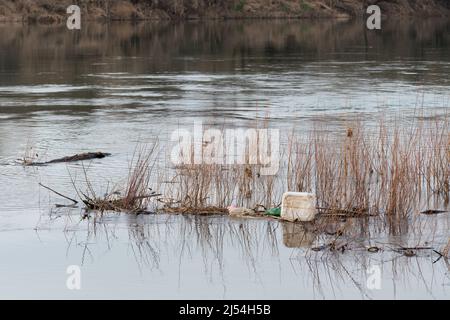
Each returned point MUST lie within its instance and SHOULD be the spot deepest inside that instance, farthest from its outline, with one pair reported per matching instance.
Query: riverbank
(50, 11)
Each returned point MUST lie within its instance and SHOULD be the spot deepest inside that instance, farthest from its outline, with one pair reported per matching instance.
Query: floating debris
(373, 249)
(409, 253)
(275, 212)
(134, 197)
(74, 158)
(298, 206)
(205, 211)
(431, 212)
(338, 245)
(319, 248)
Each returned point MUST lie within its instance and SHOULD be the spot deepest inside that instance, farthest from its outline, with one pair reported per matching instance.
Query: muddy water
(109, 86)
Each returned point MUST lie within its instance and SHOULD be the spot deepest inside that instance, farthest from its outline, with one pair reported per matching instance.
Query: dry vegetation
(358, 172)
(50, 11)
(387, 171)
(446, 250)
(134, 197)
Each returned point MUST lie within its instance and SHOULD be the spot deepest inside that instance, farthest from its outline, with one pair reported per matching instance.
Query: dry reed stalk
(30, 155)
(446, 250)
(400, 187)
(197, 186)
(300, 165)
(342, 171)
(436, 169)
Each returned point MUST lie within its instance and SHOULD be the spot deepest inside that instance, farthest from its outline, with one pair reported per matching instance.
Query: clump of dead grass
(135, 196)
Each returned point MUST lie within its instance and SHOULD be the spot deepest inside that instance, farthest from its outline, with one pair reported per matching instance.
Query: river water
(108, 87)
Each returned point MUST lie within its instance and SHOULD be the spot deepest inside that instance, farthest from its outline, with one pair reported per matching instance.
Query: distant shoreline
(52, 11)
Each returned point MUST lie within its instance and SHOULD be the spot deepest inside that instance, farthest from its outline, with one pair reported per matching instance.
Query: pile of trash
(295, 206)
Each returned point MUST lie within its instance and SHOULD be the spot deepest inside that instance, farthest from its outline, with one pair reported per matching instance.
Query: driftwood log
(74, 158)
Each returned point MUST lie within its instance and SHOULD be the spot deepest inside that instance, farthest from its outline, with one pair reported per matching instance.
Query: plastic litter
(275, 212)
(239, 211)
(298, 206)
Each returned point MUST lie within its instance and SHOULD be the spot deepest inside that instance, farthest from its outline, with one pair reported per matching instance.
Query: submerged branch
(59, 194)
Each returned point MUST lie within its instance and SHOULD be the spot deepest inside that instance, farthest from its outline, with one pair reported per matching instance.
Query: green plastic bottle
(276, 212)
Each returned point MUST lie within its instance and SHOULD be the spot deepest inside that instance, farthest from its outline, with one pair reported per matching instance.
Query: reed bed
(210, 188)
(388, 169)
(379, 171)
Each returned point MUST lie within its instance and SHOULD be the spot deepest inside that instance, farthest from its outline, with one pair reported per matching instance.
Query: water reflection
(265, 252)
(295, 235)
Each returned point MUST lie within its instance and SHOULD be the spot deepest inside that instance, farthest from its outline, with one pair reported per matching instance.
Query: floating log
(430, 212)
(74, 158)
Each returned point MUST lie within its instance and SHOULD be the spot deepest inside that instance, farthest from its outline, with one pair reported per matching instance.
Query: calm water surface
(109, 86)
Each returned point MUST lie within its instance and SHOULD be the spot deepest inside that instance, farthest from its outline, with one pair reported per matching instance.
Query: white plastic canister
(298, 206)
